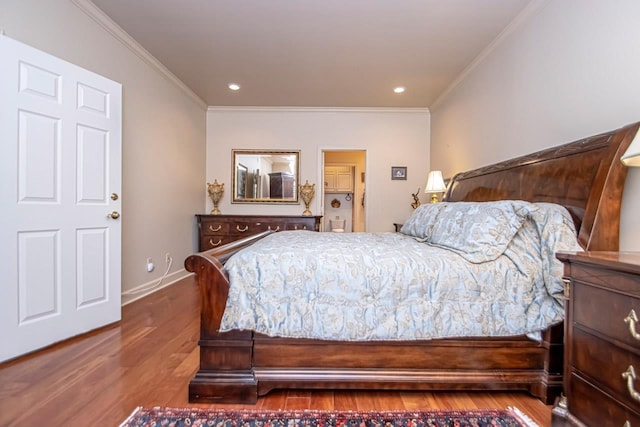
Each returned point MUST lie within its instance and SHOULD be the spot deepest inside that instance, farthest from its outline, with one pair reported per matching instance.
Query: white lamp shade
(631, 157)
(435, 183)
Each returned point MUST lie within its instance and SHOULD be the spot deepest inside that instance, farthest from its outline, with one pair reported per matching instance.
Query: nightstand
(602, 340)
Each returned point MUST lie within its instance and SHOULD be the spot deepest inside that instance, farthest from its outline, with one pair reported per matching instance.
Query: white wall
(163, 141)
(391, 138)
(571, 69)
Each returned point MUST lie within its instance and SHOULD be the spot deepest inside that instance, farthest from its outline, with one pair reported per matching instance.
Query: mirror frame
(238, 170)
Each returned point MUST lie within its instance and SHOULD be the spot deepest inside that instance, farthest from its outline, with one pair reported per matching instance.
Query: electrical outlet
(167, 257)
(150, 265)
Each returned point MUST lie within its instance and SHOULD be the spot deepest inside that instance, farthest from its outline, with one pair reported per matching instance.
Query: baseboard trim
(148, 288)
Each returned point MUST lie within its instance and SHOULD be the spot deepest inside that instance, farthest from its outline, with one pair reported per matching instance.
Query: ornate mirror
(265, 176)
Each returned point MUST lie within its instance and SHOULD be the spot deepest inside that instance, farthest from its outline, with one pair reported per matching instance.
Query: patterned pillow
(420, 223)
(557, 232)
(553, 215)
(479, 231)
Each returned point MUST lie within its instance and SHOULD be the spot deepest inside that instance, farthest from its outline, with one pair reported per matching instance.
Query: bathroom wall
(345, 211)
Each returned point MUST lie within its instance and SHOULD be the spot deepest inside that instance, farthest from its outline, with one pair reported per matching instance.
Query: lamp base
(434, 198)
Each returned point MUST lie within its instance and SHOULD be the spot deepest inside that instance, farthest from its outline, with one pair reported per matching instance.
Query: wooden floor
(147, 359)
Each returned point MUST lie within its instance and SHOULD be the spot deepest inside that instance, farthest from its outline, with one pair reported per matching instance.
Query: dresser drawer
(603, 364)
(245, 228)
(608, 278)
(595, 408)
(301, 225)
(210, 242)
(272, 224)
(591, 301)
(214, 227)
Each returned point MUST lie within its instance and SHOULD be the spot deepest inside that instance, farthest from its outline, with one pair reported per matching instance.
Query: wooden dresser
(602, 340)
(217, 230)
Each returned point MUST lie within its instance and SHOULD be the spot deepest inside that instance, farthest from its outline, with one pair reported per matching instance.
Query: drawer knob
(630, 376)
(277, 228)
(213, 245)
(632, 319)
(218, 228)
(242, 230)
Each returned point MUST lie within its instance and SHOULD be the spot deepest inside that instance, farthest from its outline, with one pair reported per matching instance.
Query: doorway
(344, 190)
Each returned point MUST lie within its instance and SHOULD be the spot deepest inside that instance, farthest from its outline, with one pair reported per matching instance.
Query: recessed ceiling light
(399, 89)
(234, 86)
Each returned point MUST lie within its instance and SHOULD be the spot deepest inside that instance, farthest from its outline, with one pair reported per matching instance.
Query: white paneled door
(60, 233)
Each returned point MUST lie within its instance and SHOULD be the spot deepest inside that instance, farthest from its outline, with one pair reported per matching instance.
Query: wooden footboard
(226, 372)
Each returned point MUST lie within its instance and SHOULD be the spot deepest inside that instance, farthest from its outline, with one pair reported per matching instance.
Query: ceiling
(315, 53)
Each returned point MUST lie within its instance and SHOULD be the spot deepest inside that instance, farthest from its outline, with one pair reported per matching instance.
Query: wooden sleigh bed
(585, 176)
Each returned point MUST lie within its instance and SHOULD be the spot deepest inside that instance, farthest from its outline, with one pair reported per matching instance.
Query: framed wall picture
(399, 172)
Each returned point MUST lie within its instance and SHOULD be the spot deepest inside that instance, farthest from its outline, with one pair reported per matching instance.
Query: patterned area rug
(174, 417)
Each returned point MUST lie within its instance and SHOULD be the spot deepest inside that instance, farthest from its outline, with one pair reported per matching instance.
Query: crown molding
(319, 109)
(532, 8)
(129, 42)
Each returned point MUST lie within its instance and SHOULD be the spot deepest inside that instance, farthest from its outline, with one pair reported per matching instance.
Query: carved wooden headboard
(585, 176)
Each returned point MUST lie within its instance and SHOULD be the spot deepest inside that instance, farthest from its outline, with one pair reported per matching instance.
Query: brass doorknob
(114, 215)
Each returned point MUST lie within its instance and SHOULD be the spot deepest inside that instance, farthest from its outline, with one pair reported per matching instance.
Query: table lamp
(435, 184)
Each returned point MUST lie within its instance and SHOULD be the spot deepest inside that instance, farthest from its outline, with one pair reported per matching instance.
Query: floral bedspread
(394, 286)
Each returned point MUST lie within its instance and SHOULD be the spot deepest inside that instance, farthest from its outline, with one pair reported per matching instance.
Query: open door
(60, 162)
